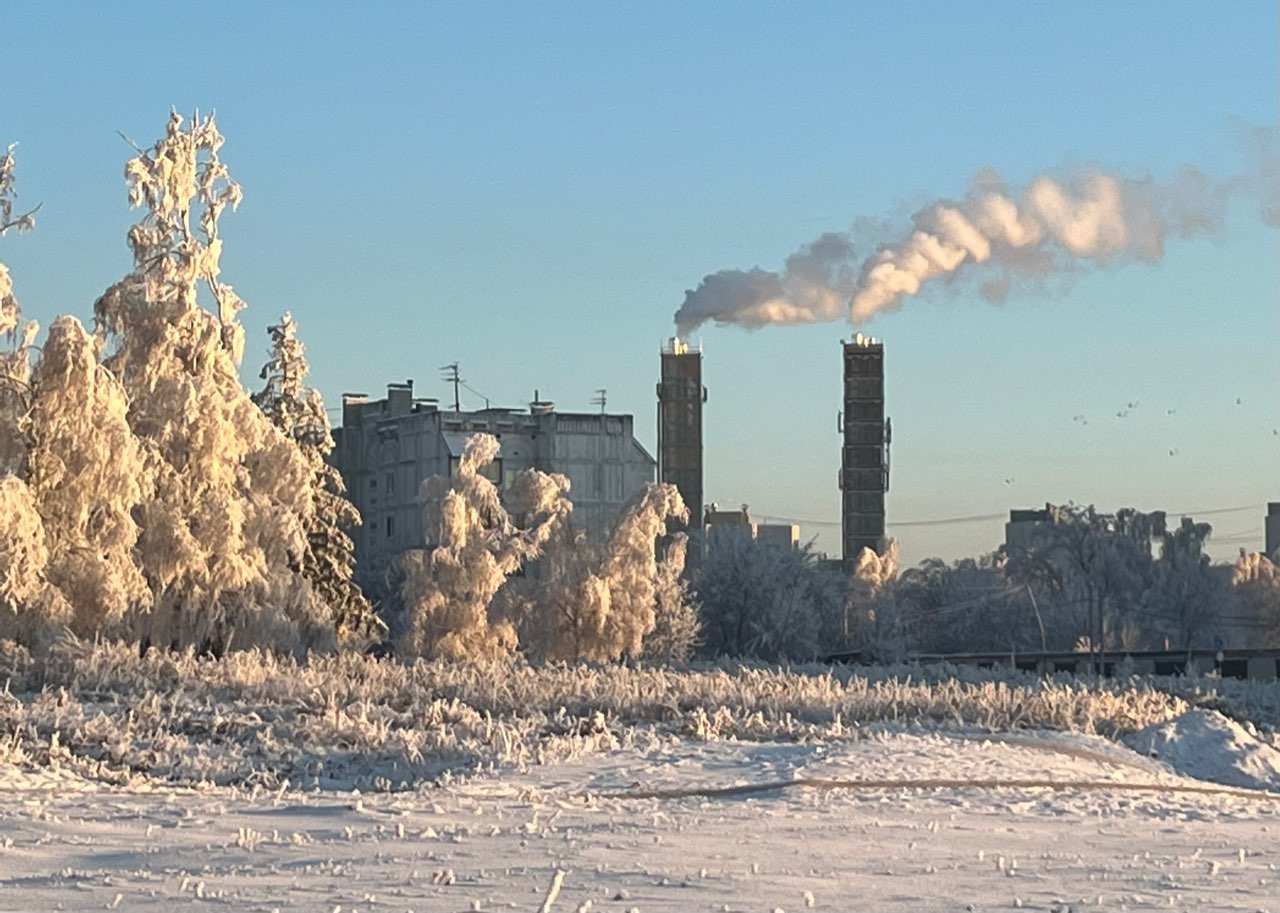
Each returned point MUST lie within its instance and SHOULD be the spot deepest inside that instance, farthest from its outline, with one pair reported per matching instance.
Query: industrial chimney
(680, 399)
(864, 459)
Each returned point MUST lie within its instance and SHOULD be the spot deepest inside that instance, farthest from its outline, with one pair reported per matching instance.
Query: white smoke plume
(1052, 225)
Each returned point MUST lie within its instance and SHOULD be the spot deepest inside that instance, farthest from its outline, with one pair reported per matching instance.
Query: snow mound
(1206, 745)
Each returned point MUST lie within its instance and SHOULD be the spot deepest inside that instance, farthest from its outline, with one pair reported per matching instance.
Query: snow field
(496, 842)
(259, 783)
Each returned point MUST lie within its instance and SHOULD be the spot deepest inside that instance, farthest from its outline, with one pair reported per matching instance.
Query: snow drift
(1206, 745)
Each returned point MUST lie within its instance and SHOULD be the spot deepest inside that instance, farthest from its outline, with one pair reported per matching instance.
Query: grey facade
(864, 458)
(1273, 528)
(386, 448)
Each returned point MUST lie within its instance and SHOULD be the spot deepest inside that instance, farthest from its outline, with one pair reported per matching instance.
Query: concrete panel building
(681, 397)
(864, 461)
(386, 448)
(1273, 528)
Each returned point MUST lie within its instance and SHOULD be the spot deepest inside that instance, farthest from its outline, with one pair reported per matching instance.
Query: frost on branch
(475, 543)
(600, 602)
(224, 524)
(329, 561)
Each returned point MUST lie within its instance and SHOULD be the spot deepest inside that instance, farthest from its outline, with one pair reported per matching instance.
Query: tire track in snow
(827, 785)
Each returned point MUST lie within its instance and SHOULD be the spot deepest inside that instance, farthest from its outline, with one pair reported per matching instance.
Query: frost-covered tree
(475, 542)
(329, 561)
(223, 526)
(1092, 569)
(762, 601)
(1255, 590)
(968, 606)
(599, 603)
(677, 629)
(18, 335)
(29, 610)
(87, 473)
(1185, 597)
(876, 622)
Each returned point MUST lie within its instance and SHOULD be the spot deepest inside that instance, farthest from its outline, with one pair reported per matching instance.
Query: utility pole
(600, 399)
(451, 375)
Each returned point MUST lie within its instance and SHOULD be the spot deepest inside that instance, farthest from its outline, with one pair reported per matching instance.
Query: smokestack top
(860, 340)
(677, 346)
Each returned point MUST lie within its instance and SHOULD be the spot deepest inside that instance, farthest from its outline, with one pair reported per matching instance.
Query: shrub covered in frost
(260, 718)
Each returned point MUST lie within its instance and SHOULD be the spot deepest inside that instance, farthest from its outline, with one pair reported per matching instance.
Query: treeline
(1084, 580)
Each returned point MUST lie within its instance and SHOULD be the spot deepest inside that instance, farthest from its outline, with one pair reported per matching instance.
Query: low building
(386, 448)
(1025, 526)
(722, 526)
(782, 535)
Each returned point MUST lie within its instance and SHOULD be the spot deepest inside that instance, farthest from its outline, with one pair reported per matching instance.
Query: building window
(391, 526)
(391, 481)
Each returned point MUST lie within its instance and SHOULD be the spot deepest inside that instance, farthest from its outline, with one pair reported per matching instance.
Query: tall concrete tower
(680, 398)
(864, 458)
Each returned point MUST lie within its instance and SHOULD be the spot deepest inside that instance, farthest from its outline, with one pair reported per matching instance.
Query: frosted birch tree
(329, 561)
(224, 522)
(475, 542)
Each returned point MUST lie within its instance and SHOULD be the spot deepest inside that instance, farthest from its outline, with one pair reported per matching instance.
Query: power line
(988, 518)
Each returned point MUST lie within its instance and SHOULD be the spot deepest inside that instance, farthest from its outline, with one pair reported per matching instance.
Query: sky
(529, 189)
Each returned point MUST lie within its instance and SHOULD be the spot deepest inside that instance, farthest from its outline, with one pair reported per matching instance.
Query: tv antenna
(450, 374)
(600, 399)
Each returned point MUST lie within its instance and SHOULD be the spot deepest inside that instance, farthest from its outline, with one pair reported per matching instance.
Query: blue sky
(529, 189)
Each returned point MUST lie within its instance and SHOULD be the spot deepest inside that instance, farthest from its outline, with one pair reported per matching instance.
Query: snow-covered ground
(691, 842)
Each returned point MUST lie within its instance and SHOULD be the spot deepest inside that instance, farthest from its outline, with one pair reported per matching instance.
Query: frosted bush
(344, 719)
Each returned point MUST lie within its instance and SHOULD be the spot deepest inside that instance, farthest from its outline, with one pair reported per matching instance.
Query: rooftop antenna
(600, 399)
(450, 375)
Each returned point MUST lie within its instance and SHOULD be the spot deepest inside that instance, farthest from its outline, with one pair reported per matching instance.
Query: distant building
(386, 448)
(1273, 528)
(1024, 526)
(722, 526)
(782, 535)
